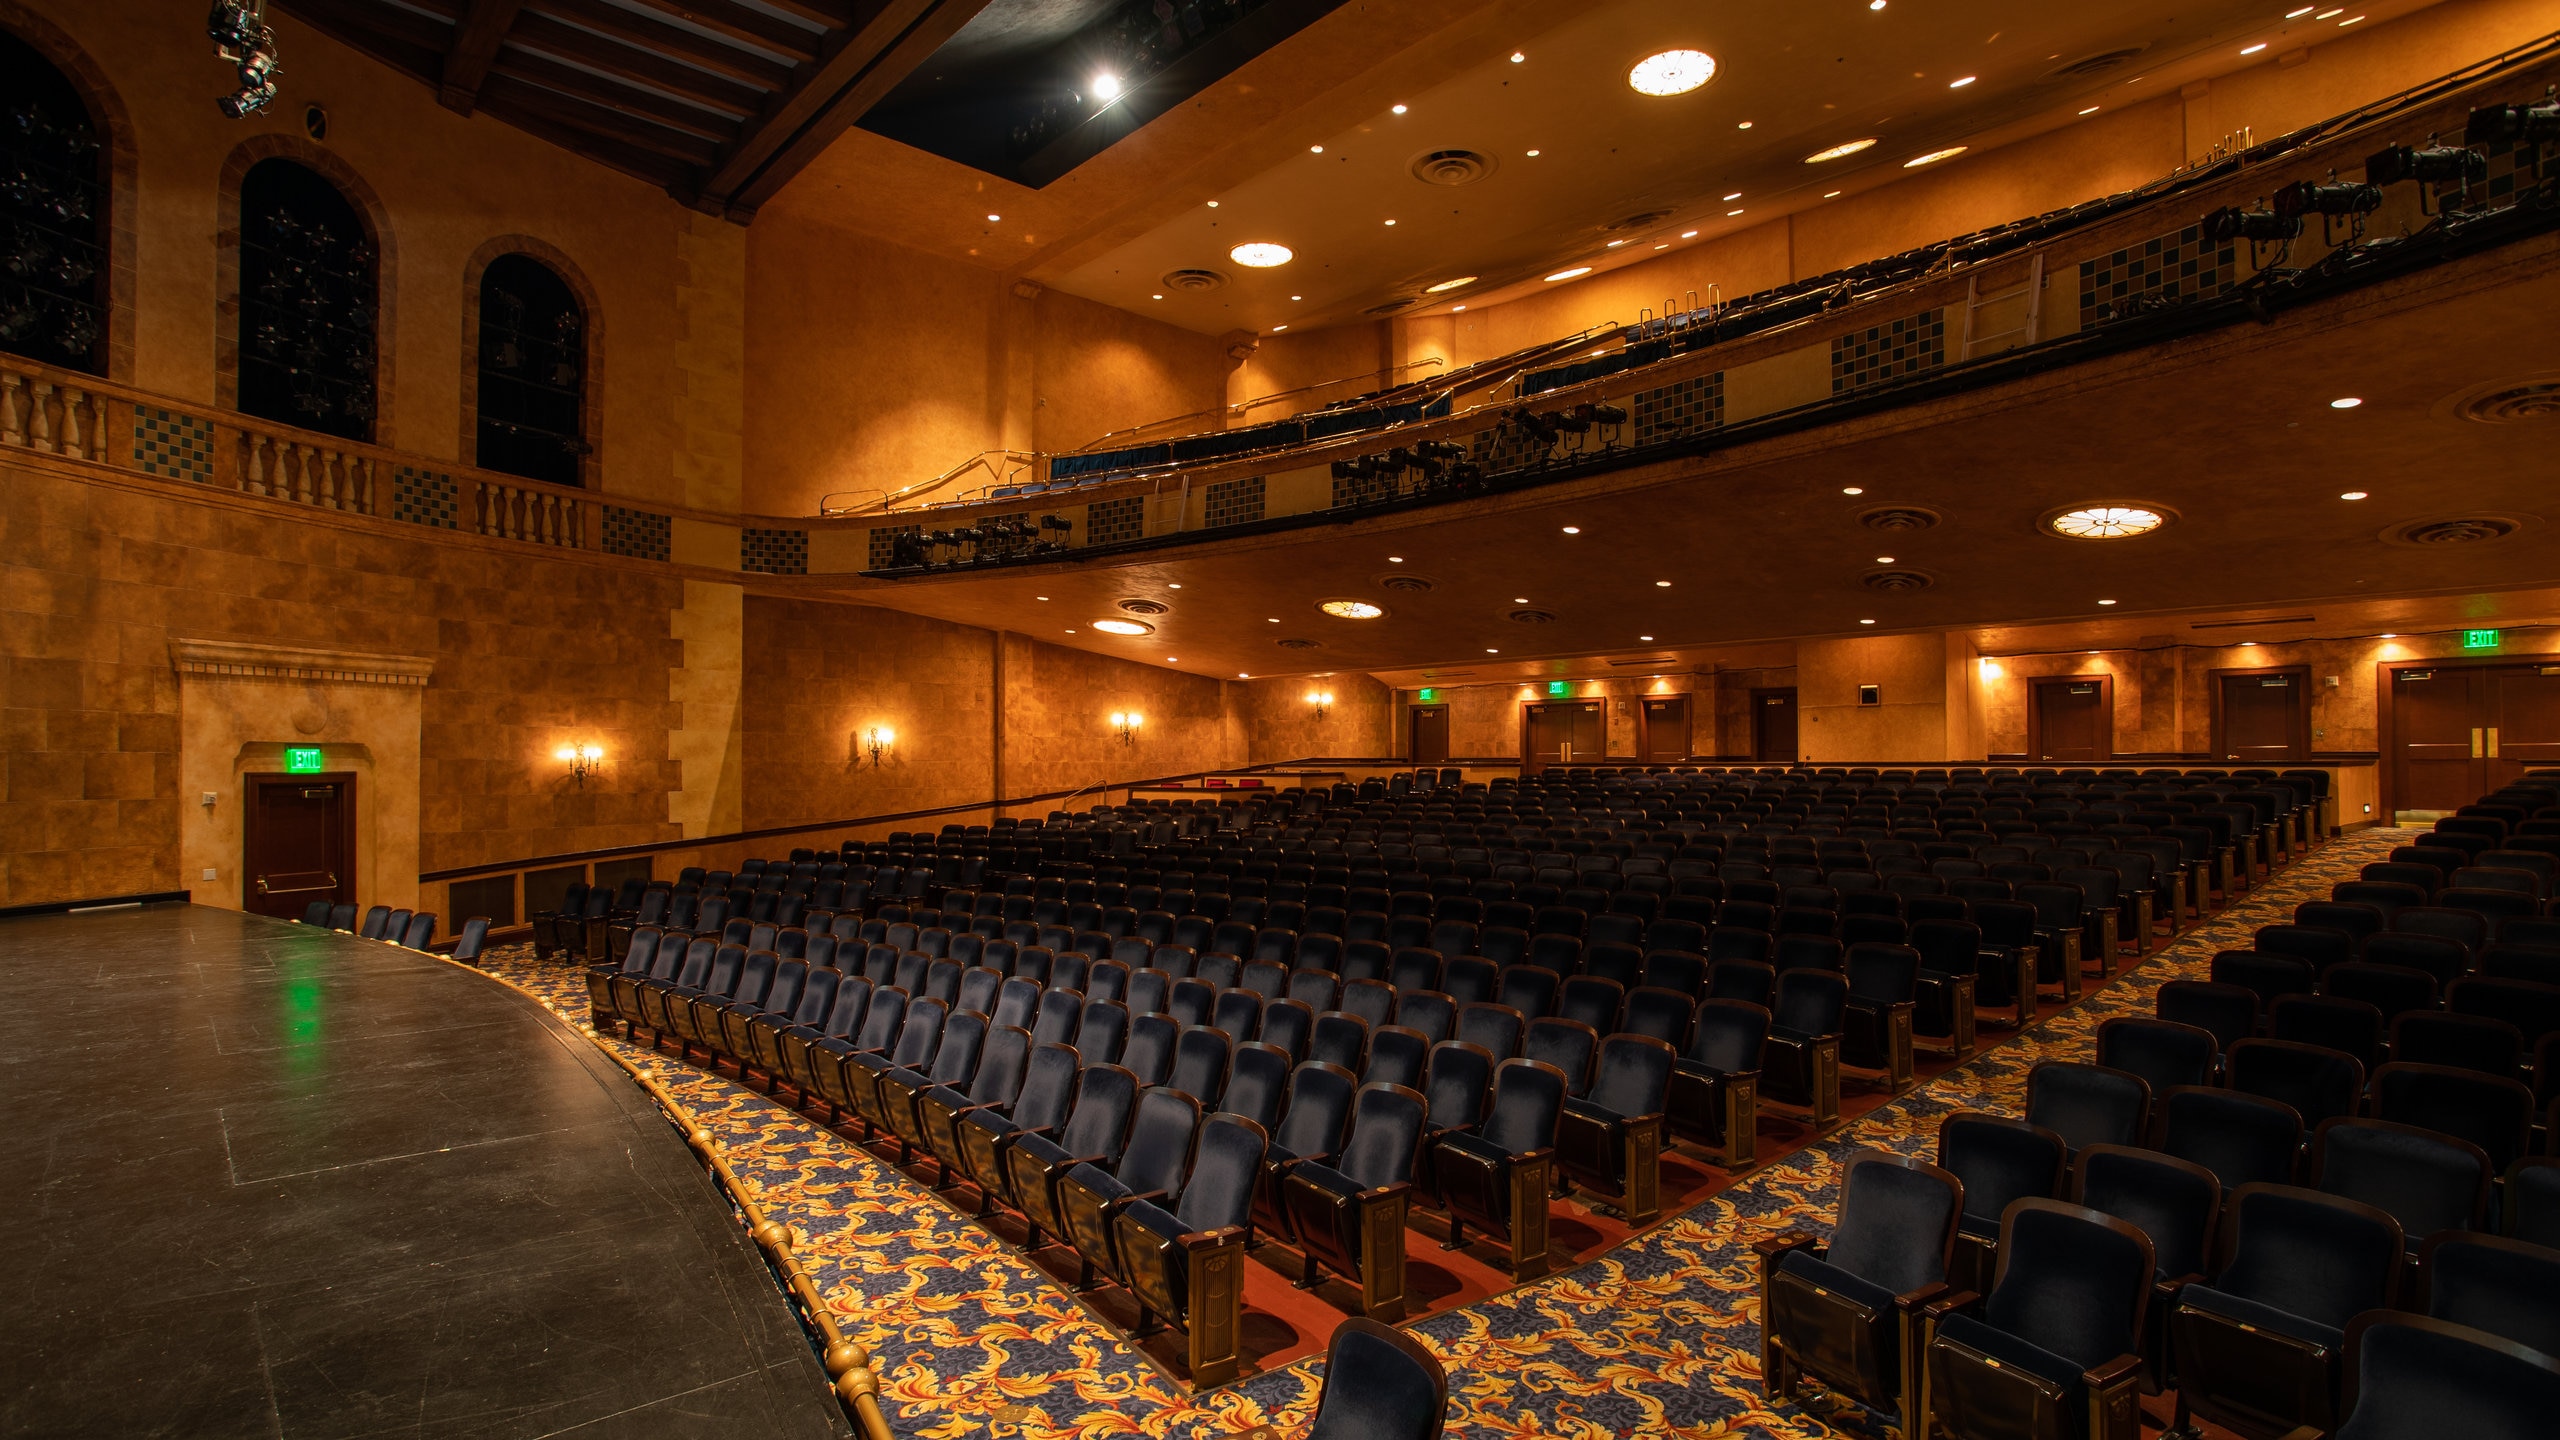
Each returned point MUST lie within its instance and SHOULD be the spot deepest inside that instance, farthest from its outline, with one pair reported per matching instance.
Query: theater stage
(274, 1181)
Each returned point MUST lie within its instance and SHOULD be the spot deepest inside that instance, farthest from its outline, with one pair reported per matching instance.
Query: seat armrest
(2113, 1372)
(1770, 1247)
(1919, 1300)
(1950, 1304)
(1211, 1239)
(1382, 1192)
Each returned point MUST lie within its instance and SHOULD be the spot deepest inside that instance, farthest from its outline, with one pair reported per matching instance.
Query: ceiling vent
(1193, 280)
(1392, 307)
(1413, 584)
(1893, 580)
(2097, 64)
(1452, 167)
(2460, 530)
(1899, 517)
(1146, 607)
(1534, 617)
(1653, 661)
(1644, 220)
(2510, 403)
(1297, 644)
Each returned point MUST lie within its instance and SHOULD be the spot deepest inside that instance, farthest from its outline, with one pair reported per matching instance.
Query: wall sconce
(1125, 723)
(584, 760)
(877, 740)
(1322, 700)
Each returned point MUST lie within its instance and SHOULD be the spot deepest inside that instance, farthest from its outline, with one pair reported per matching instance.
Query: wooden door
(1665, 729)
(300, 844)
(2071, 720)
(2437, 740)
(2262, 717)
(2521, 724)
(1773, 726)
(1562, 732)
(1431, 735)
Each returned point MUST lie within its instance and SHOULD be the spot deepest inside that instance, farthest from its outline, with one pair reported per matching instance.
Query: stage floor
(274, 1181)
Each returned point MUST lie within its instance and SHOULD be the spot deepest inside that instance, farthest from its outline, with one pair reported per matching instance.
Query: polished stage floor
(276, 1182)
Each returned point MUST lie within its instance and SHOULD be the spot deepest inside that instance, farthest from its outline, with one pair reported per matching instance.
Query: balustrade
(53, 418)
(538, 517)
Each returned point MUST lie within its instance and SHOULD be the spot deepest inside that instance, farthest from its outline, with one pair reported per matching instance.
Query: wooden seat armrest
(2113, 1372)
(1382, 1192)
(2168, 1289)
(1946, 1305)
(1211, 1239)
(1770, 1247)
(1921, 1298)
(1122, 1202)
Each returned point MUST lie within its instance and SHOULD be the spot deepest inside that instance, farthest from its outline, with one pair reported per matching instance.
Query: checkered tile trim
(1363, 491)
(1680, 407)
(773, 552)
(1234, 502)
(423, 497)
(2510, 170)
(1506, 448)
(640, 534)
(1886, 352)
(1108, 522)
(884, 544)
(177, 446)
(2163, 270)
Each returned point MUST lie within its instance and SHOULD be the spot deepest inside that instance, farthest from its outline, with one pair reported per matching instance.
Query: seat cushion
(2265, 1317)
(1804, 1266)
(1156, 1218)
(1099, 1183)
(2010, 1350)
(1328, 1178)
(948, 1098)
(1597, 1114)
(1477, 1146)
(1042, 1149)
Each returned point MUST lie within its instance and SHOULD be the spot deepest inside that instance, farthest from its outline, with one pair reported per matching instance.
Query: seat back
(1528, 1099)
(1387, 1123)
(2494, 1112)
(2075, 1281)
(1897, 1222)
(2316, 1081)
(2175, 1202)
(1105, 1094)
(2321, 1257)
(1999, 1161)
(1633, 1076)
(2089, 1104)
(1318, 1109)
(2427, 1181)
(1200, 1057)
(1379, 1384)
(1257, 1083)
(1567, 1044)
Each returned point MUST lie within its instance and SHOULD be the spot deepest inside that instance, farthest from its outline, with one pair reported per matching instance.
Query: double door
(2461, 731)
(1563, 732)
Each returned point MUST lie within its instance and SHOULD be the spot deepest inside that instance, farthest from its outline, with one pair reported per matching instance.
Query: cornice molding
(240, 660)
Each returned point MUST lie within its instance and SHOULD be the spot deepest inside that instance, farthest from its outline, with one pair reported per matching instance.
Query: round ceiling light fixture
(1261, 255)
(1840, 152)
(1934, 156)
(1673, 72)
(1124, 627)
(1445, 286)
(1576, 273)
(2105, 522)
(1351, 609)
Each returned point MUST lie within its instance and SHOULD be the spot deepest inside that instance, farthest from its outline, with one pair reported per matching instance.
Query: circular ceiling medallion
(1194, 279)
(1673, 72)
(1452, 167)
(1351, 609)
(1411, 584)
(2113, 520)
(2453, 530)
(1294, 643)
(1145, 607)
(1534, 617)
(1895, 580)
(2507, 404)
(1124, 627)
(1899, 517)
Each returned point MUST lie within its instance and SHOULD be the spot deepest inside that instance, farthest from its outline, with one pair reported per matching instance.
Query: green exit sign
(1559, 687)
(2479, 639)
(304, 760)
(1428, 696)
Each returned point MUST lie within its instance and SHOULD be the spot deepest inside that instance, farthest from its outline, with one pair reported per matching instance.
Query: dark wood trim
(536, 31)
(475, 43)
(2035, 712)
(2386, 802)
(615, 95)
(348, 831)
(674, 42)
(1529, 758)
(750, 27)
(2302, 729)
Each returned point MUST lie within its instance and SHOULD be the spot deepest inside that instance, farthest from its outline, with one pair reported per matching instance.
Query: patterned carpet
(1658, 1337)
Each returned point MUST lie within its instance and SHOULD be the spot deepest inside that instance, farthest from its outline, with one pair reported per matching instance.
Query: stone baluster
(360, 485)
(13, 408)
(40, 418)
(75, 416)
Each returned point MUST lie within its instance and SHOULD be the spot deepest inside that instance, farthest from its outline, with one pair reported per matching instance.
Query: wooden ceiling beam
(672, 41)
(649, 105)
(833, 14)
(827, 97)
(475, 44)
(519, 99)
(738, 22)
(540, 32)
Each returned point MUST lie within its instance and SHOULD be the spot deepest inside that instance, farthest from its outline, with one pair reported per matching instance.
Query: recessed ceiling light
(1853, 490)
(1391, 222)
(1123, 627)
(1644, 637)
(2106, 522)
(1039, 597)
(1729, 214)
(2392, 636)
(1884, 559)
(1106, 88)
(1840, 151)
(2332, 10)
(2248, 644)
(2106, 602)
(1397, 109)
(1866, 622)
(1673, 72)
(1173, 585)
(1575, 273)
(1261, 254)
(1831, 195)
(1445, 286)
(1242, 676)
(1665, 245)
(993, 218)
(1071, 632)
(2353, 495)
(1517, 57)
(1573, 529)
(2253, 49)
(1213, 204)
(1688, 234)
(1159, 297)
(1614, 244)
(1489, 650)
(1276, 329)
(1297, 297)
(2343, 24)
(1351, 610)
(1745, 125)
(1661, 584)
(1454, 309)
(1533, 154)
(2092, 110)
(2345, 402)
(2298, 14)
(1275, 620)
(1173, 659)
(1875, 4)
(1519, 599)
(1395, 559)
(1736, 195)
(1934, 157)
(1960, 84)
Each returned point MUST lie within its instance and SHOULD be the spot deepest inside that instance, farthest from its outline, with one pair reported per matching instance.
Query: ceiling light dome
(1840, 151)
(1673, 72)
(1261, 254)
(2106, 522)
(1124, 627)
(1351, 609)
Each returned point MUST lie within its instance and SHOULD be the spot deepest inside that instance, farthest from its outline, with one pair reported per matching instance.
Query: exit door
(2262, 717)
(1568, 732)
(300, 843)
(2071, 720)
(1664, 737)
(2461, 731)
(1431, 735)
(1773, 726)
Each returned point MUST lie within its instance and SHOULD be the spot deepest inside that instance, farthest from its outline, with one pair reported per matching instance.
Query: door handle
(2477, 751)
(297, 890)
(2493, 742)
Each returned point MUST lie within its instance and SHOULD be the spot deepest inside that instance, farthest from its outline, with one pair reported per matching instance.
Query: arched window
(308, 303)
(533, 372)
(53, 216)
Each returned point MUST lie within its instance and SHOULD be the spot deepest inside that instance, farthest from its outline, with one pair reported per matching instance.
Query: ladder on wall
(1981, 342)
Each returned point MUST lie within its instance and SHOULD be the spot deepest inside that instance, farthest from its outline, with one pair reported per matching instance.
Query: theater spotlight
(1576, 421)
(2258, 227)
(2332, 202)
(1601, 413)
(2437, 165)
(1542, 428)
(1440, 450)
(2524, 124)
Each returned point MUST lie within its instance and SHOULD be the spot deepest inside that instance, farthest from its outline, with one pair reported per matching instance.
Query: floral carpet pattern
(1657, 1337)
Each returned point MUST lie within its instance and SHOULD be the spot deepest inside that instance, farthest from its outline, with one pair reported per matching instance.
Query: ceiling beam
(644, 67)
(675, 42)
(519, 99)
(827, 97)
(475, 44)
(631, 100)
(738, 22)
